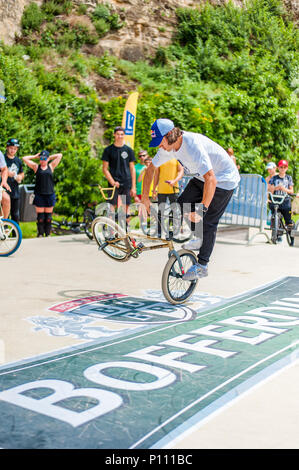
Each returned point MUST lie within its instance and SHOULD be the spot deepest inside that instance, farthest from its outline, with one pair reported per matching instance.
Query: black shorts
(44, 200)
(124, 192)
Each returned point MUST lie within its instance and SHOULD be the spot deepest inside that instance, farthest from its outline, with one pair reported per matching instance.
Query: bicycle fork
(175, 253)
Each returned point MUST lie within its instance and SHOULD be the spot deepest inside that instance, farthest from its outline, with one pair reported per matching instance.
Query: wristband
(204, 209)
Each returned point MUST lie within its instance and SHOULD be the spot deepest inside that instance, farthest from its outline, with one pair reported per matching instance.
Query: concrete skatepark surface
(45, 272)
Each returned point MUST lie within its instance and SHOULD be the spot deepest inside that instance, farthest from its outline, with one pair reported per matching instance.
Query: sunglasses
(283, 166)
(43, 158)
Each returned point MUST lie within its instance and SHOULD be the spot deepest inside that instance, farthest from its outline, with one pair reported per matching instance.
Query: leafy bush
(105, 20)
(56, 7)
(44, 115)
(32, 18)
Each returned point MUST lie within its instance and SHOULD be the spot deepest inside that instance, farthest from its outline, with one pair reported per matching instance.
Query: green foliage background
(231, 73)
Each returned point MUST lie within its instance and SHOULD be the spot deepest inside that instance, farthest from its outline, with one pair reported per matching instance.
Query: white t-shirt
(198, 154)
(2, 160)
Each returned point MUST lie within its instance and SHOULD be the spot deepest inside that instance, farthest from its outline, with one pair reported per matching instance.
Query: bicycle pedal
(140, 246)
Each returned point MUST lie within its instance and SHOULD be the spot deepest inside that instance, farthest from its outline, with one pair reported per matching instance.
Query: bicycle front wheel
(88, 217)
(111, 238)
(175, 290)
(275, 225)
(11, 237)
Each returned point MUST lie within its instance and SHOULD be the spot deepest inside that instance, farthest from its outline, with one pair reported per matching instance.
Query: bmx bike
(278, 227)
(76, 223)
(122, 245)
(10, 233)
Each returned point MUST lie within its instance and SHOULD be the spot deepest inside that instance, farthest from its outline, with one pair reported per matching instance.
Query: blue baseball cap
(159, 129)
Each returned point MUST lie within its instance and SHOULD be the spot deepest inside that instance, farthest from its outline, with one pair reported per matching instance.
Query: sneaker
(279, 239)
(196, 271)
(193, 244)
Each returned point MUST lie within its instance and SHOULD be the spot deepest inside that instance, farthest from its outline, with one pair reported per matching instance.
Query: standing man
(3, 182)
(215, 178)
(138, 169)
(166, 186)
(271, 168)
(119, 169)
(15, 176)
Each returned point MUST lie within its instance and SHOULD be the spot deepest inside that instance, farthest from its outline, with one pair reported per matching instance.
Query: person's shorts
(44, 200)
(122, 191)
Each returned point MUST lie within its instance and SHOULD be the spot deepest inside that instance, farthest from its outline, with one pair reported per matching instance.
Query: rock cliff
(148, 23)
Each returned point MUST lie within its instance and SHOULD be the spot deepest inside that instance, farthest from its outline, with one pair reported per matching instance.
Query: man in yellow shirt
(166, 186)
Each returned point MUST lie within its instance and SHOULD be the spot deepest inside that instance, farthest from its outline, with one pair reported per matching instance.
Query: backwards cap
(159, 129)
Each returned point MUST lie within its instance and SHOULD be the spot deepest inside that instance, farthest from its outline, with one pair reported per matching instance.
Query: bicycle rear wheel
(111, 238)
(88, 217)
(175, 290)
(11, 233)
(290, 239)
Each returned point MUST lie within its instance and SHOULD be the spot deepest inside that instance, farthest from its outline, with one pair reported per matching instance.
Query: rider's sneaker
(196, 271)
(193, 244)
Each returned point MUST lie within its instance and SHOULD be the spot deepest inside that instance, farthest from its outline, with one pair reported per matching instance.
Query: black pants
(15, 209)
(286, 210)
(162, 199)
(193, 193)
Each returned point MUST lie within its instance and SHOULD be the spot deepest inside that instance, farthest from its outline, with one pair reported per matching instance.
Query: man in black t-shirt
(15, 176)
(119, 169)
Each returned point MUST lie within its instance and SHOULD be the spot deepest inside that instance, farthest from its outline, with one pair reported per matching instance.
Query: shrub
(32, 18)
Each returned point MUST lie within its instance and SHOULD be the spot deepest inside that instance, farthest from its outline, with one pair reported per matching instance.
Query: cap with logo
(270, 166)
(44, 155)
(159, 129)
(13, 143)
(283, 163)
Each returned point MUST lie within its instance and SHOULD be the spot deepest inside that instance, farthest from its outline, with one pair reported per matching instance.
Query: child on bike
(282, 184)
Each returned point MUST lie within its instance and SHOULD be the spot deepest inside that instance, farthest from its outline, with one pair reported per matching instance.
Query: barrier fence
(248, 205)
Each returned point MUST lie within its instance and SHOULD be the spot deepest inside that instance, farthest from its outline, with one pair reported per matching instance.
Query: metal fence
(248, 205)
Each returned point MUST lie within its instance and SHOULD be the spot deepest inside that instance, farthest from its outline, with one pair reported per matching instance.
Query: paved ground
(44, 272)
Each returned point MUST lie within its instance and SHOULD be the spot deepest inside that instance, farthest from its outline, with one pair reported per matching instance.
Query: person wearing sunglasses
(139, 167)
(282, 184)
(15, 177)
(44, 193)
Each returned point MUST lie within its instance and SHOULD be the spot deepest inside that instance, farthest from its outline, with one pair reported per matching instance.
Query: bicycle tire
(105, 229)
(14, 237)
(150, 226)
(172, 278)
(290, 239)
(274, 235)
(184, 233)
(56, 228)
(88, 217)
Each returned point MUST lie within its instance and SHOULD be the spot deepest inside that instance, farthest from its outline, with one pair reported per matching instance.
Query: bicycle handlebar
(279, 198)
(102, 190)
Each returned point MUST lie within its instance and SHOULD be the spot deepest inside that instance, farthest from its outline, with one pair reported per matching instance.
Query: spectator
(271, 168)
(165, 185)
(44, 193)
(147, 163)
(138, 169)
(15, 176)
(119, 169)
(282, 184)
(230, 151)
(5, 203)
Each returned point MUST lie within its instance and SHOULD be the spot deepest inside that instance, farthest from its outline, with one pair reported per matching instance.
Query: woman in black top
(44, 199)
